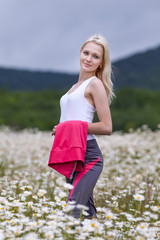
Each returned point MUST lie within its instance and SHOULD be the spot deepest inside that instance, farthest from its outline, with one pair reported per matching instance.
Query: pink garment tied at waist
(69, 147)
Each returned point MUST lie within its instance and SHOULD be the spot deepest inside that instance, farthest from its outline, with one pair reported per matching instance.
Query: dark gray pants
(85, 181)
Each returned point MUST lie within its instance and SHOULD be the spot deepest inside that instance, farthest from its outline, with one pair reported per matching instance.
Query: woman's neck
(85, 76)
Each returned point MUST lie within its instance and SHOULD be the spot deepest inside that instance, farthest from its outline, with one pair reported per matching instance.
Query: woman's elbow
(108, 130)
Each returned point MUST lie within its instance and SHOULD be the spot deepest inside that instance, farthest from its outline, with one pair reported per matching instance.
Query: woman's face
(91, 57)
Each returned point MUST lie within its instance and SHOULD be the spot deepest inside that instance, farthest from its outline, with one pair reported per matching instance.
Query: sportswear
(85, 181)
(68, 151)
(74, 106)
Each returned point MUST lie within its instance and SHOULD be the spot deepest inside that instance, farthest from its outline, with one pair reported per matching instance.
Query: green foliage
(131, 108)
(29, 109)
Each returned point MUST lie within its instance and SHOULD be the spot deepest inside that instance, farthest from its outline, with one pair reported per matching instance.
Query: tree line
(131, 108)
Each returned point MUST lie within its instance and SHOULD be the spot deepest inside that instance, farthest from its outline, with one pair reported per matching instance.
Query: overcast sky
(48, 34)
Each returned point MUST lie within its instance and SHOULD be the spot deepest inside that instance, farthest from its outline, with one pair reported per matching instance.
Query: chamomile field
(33, 196)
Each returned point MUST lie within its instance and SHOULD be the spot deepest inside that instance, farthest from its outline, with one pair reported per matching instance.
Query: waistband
(90, 137)
(92, 151)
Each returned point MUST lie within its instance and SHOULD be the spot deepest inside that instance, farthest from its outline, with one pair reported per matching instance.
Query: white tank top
(74, 106)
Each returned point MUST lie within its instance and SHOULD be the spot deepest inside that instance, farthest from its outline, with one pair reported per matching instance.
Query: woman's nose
(88, 58)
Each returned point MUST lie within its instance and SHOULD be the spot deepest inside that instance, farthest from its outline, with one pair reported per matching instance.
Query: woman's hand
(54, 130)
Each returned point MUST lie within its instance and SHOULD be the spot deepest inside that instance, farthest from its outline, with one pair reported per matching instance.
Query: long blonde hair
(104, 72)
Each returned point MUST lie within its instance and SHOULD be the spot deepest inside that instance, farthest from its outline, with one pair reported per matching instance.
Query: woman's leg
(85, 181)
(91, 207)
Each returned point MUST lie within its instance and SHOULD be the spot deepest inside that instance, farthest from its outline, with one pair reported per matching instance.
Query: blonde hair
(104, 72)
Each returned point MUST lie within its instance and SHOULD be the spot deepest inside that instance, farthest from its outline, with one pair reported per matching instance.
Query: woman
(93, 92)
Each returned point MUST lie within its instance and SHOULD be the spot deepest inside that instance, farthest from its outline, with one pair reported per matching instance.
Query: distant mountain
(16, 79)
(141, 70)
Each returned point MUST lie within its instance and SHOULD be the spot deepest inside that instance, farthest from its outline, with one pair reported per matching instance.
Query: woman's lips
(87, 65)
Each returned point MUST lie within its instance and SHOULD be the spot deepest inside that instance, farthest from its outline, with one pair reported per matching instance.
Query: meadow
(33, 196)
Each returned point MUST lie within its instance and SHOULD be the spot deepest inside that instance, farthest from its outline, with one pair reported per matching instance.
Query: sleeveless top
(74, 106)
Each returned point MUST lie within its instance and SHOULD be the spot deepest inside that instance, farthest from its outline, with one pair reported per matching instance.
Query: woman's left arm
(99, 96)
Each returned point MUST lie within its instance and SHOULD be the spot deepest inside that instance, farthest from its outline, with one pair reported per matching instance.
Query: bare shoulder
(96, 81)
(96, 85)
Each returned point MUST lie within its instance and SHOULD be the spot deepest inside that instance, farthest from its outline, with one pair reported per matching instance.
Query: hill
(15, 79)
(140, 70)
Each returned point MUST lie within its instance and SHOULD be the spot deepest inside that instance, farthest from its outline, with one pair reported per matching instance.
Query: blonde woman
(92, 92)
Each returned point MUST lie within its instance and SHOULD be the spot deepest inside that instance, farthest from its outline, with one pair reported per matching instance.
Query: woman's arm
(99, 96)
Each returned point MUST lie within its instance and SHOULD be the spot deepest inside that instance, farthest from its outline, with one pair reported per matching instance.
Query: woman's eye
(85, 53)
(95, 56)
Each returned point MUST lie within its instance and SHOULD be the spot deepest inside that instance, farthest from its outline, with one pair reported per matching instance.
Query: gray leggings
(85, 181)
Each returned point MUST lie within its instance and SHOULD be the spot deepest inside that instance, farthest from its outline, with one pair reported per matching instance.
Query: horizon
(75, 73)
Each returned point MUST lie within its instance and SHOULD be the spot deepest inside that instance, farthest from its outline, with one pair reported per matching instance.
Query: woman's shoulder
(96, 83)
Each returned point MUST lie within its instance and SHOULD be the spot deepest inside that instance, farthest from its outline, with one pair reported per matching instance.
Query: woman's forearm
(99, 128)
